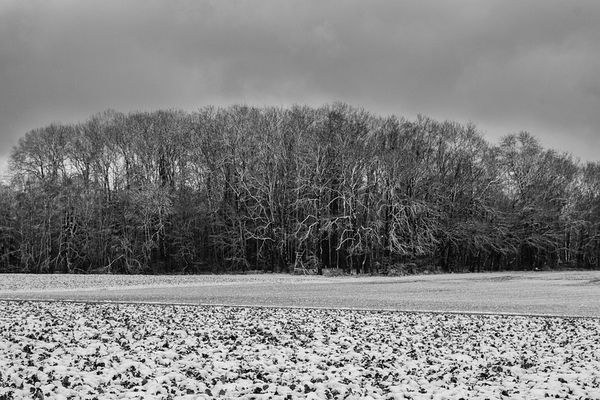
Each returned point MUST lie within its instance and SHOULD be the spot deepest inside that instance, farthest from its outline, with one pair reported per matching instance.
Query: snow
(27, 283)
(566, 293)
(114, 351)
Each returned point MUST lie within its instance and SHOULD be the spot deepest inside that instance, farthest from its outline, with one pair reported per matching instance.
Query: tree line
(275, 189)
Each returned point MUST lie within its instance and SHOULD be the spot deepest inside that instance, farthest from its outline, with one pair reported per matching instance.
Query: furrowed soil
(54, 350)
(287, 337)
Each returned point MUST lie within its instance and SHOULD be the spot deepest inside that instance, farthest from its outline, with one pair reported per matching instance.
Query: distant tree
(536, 182)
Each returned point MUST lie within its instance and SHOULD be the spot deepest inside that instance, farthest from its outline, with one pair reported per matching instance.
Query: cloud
(506, 66)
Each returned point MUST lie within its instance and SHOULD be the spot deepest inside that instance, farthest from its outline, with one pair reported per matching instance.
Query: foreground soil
(108, 351)
(548, 293)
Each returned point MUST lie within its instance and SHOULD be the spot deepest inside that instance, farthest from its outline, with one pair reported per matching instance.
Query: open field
(549, 293)
(99, 336)
(85, 351)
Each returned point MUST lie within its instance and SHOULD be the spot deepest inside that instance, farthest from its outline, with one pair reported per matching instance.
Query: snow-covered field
(52, 282)
(56, 350)
(572, 293)
(105, 350)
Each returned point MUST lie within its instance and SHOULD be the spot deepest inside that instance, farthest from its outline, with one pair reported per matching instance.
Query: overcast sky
(504, 65)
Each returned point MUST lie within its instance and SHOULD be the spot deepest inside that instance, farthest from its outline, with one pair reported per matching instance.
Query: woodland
(295, 189)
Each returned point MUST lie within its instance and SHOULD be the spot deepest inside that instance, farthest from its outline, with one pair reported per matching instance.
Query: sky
(504, 65)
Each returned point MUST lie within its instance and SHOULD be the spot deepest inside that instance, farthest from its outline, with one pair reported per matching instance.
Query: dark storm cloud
(504, 65)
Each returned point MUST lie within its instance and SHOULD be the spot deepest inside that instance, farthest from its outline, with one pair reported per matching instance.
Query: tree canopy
(246, 188)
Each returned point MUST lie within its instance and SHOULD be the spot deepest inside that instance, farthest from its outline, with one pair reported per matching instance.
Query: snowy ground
(549, 293)
(56, 350)
(107, 350)
(52, 282)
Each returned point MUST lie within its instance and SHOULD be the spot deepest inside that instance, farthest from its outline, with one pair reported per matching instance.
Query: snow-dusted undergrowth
(109, 351)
